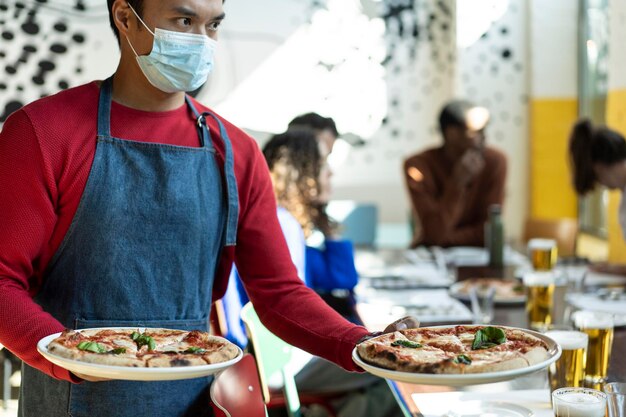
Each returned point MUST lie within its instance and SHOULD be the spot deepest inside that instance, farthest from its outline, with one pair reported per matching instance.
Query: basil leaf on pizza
(406, 344)
(463, 359)
(194, 349)
(152, 348)
(454, 350)
(143, 340)
(488, 337)
(94, 347)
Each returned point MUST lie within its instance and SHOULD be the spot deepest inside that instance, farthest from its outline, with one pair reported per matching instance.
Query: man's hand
(468, 167)
(408, 322)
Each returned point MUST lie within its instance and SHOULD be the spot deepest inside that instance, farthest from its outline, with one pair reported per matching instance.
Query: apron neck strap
(104, 108)
(229, 174)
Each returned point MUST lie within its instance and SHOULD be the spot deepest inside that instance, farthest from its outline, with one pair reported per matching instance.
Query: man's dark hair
(590, 145)
(316, 122)
(135, 4)
(454, 114)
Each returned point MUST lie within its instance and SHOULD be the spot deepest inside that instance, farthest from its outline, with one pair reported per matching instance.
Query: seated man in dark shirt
(451, 187)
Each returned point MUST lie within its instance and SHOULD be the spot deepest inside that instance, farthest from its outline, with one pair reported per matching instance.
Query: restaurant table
(509, 315)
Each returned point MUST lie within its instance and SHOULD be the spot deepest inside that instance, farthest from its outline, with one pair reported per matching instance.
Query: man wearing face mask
(125, 202)
(451, 187)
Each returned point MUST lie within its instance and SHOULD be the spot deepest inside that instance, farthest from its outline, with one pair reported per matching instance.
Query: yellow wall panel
(551, 192)
(616, 119)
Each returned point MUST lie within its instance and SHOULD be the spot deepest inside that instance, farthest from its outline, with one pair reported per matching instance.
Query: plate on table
(602, 301)
(554, 352)
(132, 373)
(508, 291)
(489, 408)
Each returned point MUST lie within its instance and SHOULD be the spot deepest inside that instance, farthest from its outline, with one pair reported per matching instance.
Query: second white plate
(554, 352)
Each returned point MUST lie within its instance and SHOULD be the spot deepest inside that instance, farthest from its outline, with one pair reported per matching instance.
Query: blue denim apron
(141, 251)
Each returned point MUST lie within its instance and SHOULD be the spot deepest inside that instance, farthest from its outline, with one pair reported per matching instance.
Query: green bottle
(494, 236)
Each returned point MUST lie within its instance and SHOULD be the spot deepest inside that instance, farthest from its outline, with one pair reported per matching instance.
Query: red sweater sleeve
(27, 219)
(284, 304)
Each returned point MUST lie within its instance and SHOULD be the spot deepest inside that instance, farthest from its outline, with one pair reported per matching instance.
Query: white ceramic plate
(457, 291)
(593, 302)
(129, 373)
(489, 408)
(554, 352)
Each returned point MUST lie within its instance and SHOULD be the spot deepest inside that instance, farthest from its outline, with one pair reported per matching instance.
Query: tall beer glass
(569, 369)
(542, 253)
(578, 402)
(599, 328)
(539, 299)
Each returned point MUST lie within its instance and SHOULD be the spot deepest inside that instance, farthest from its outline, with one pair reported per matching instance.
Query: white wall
(493, 71)
(554, 41)
(78, 44)
(383, 80)
(617, 33)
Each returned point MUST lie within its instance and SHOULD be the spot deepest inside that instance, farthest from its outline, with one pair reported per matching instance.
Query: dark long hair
(295, 164)
(590, 145)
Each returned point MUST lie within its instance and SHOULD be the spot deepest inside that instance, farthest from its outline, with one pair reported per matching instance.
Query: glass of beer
(542, 253)
(539, 299)
(578, 402)
(599, 328)
(569, 369)
(616, 393)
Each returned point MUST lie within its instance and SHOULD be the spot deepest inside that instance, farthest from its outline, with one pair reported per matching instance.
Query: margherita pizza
(454, 350)
(151, 348)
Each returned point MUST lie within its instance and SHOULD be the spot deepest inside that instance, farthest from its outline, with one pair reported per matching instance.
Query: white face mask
(178, 61)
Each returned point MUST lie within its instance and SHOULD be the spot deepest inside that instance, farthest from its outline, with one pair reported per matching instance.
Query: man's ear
(122, 16)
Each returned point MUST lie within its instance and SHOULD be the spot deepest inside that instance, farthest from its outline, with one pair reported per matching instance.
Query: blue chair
(358, 221)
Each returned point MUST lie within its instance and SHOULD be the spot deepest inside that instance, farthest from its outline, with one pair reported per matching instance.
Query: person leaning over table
(452, 186)
(598, 156)
(125, 202)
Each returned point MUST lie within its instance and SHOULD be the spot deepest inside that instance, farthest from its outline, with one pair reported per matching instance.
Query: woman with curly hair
(301, 178)
(598, 156)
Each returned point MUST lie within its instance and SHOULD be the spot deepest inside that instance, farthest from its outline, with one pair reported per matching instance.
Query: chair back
(564, 231)
(236, 391)
(358, 221)
(273, 358)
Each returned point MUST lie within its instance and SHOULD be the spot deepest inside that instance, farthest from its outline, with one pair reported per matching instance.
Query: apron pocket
(188, 397)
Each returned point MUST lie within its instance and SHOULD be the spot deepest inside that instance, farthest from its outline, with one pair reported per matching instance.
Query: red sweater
(46, 152)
